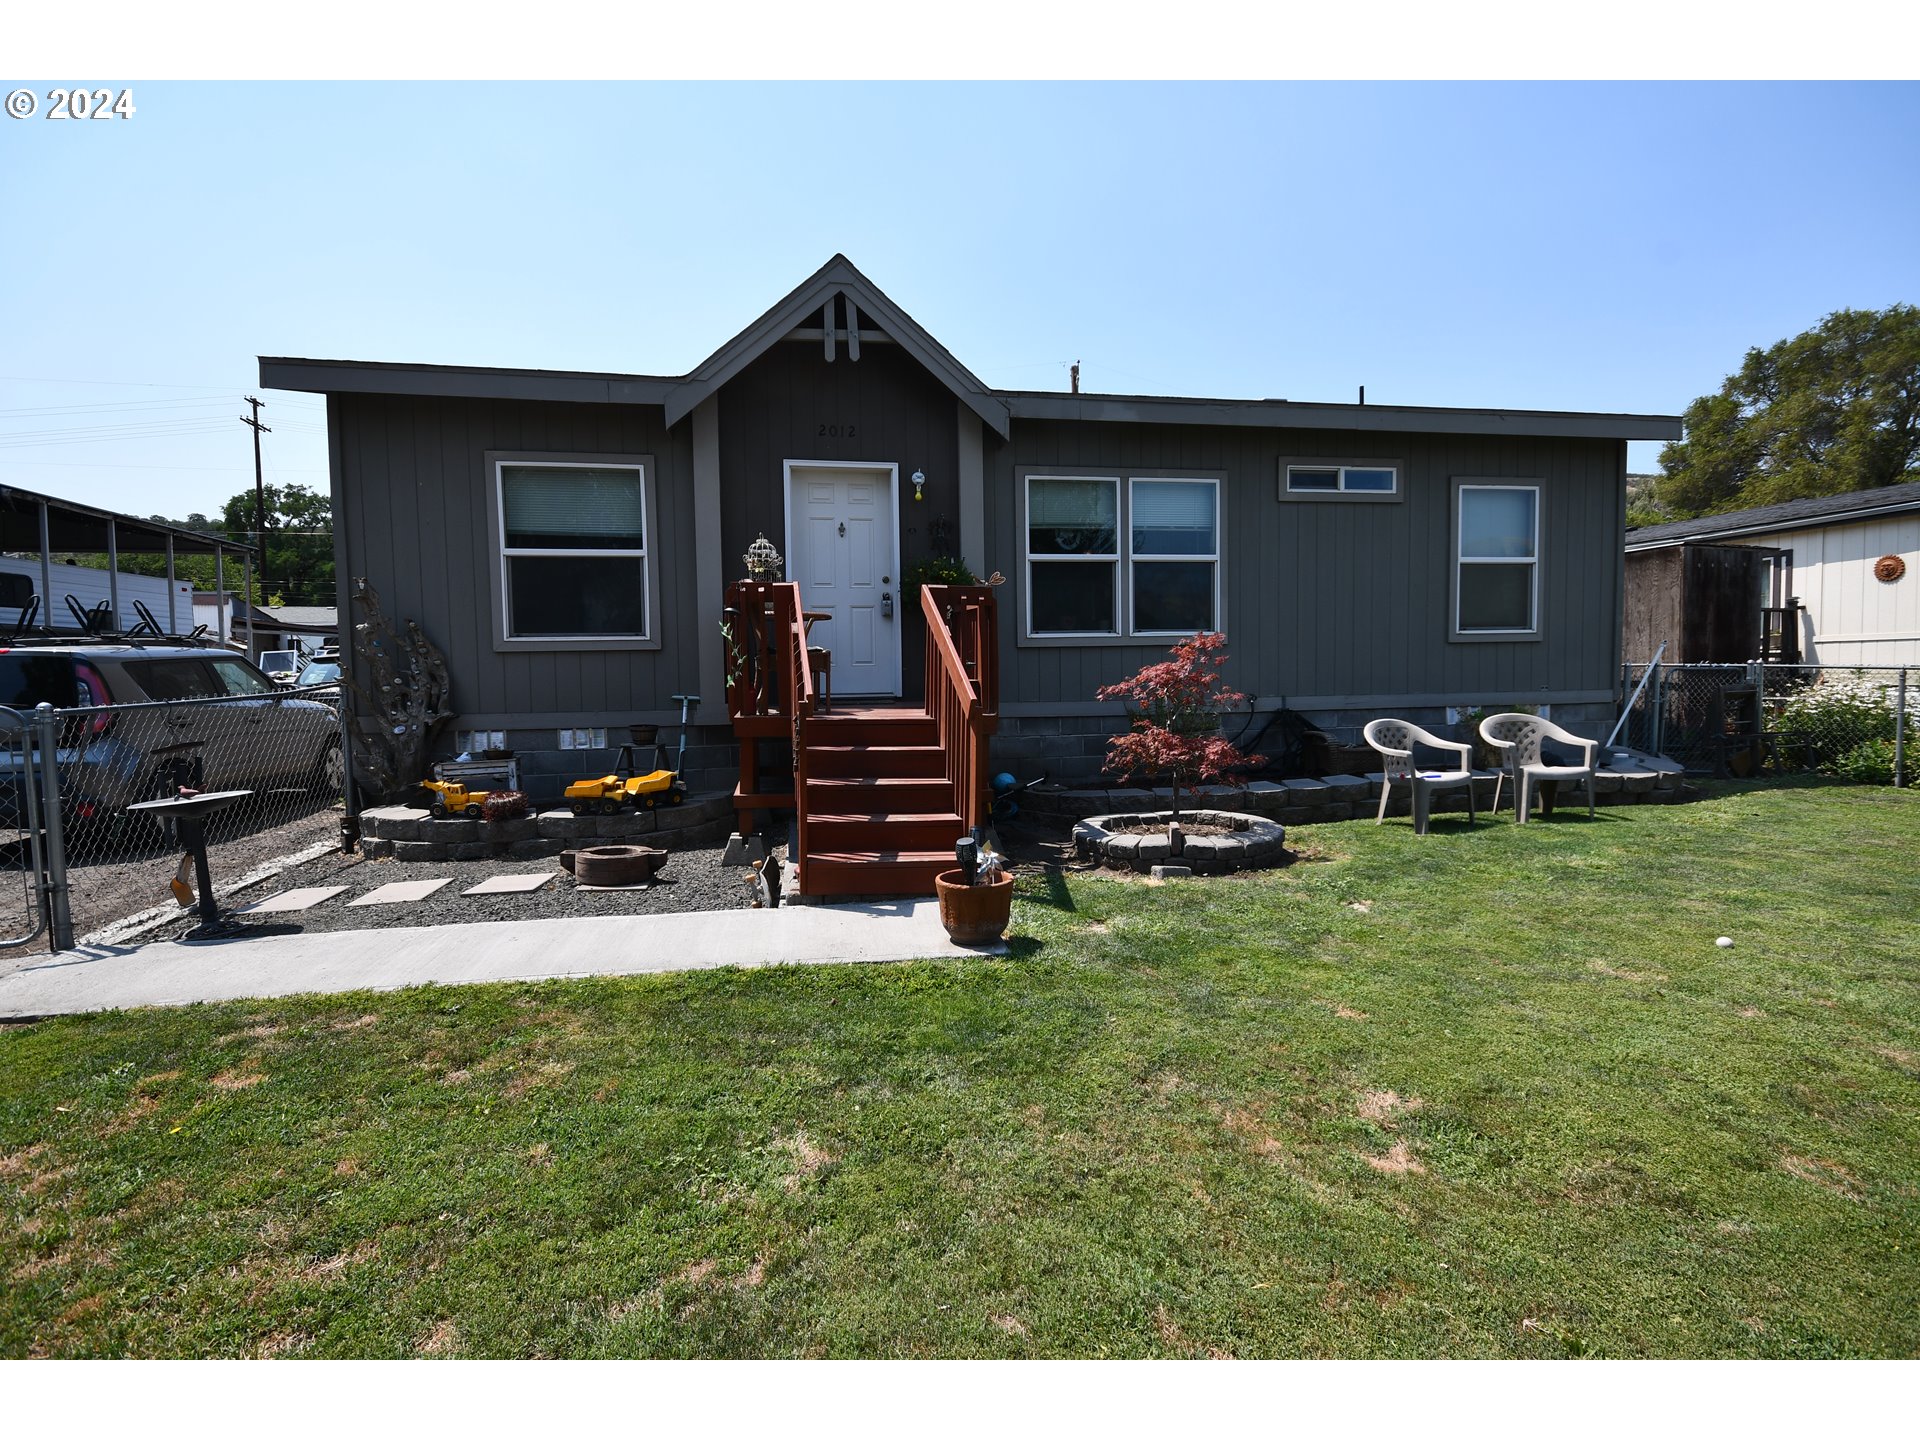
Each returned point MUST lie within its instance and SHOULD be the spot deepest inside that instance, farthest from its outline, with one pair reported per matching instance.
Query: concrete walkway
(185, 973)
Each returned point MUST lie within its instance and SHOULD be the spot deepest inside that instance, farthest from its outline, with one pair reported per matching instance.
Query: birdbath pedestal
(189, 814)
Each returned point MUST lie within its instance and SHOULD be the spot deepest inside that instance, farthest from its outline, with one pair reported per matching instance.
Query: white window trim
(1121, 557)
(503, 637)
(1340, 486)
(1532, 562)
(1134, 557)
(1341, 464)
(1116, 557)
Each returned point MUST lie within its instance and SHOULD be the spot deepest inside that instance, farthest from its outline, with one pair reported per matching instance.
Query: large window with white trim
(1113, 557)
(574, 556)
(1073, 555)
(1174, 546)
(1497, 569)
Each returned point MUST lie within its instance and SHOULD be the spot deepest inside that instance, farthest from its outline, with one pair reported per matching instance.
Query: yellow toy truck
(452, 799)
(610, 794)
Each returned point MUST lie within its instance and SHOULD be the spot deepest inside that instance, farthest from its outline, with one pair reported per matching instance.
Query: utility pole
(259, 500)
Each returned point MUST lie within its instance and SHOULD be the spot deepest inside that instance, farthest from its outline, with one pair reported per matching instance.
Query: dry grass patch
(443, 1339)
(1905, 1059)
(1638, 977)
(1347, 1012)
(1397, 1161)
(809, 1159)
(1382, 1106)
(1829, 1175)
(242, 1077)
(1011, 1324)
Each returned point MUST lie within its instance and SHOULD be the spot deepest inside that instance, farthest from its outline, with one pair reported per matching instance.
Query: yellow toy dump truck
(454, 799)
(610, 794)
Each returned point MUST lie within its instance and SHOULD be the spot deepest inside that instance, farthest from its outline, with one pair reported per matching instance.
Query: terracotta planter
(974, 914)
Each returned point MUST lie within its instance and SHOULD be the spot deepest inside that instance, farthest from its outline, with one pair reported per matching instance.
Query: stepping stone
(401, 892)
(294, 900)
(509, 885)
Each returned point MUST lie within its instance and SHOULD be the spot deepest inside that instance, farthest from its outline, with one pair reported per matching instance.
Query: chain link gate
(1848, 721)
(33, 887)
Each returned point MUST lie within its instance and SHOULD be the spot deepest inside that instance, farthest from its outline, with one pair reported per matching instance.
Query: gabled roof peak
(815, 295)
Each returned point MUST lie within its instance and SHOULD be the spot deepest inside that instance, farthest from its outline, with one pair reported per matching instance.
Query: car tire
(329, 771)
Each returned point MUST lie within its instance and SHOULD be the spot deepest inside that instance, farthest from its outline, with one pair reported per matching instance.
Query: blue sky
(1606, 247)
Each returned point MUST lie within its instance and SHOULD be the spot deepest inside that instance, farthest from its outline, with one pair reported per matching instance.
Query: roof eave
(1775, 526)
(355, 377)
(1287, 414)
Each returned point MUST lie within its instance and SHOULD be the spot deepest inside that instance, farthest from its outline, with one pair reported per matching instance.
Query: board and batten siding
(793, 404)
(410, 493)
(1852, 617)
(1333, 603)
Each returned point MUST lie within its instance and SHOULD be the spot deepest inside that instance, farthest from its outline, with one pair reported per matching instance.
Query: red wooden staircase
(879, 795)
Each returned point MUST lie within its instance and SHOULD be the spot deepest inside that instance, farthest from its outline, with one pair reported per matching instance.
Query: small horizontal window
(1342, 479)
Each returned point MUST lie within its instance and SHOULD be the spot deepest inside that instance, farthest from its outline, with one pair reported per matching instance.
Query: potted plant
(975, 913)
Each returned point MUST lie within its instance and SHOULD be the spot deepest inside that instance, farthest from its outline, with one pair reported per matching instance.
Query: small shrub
(504, 805)
(1868, 763)
(1839, 718)
(934, 570)
(1175, 708)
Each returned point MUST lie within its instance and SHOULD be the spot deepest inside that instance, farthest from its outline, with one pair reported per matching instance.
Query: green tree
(299, 542)
(1834, 409)
(299, 547)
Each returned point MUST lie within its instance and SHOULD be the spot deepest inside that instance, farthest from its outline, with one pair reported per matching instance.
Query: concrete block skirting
(402, 833)
(1651, 781)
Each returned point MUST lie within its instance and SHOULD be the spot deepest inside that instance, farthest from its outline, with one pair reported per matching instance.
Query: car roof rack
(97, 625)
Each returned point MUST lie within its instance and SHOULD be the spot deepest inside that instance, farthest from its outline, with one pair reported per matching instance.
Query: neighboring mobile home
(1824, 581)
(568, 539)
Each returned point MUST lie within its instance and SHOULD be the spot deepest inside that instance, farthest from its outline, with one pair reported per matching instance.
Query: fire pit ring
(614, 865)
(1252, 842)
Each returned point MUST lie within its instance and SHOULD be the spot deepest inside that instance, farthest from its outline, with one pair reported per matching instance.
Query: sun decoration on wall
(1889, 568)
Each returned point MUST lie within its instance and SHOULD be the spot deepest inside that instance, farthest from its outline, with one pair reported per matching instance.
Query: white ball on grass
(1725, 942)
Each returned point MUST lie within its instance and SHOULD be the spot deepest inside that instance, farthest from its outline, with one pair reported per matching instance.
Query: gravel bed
(108, 883)
(691, 880)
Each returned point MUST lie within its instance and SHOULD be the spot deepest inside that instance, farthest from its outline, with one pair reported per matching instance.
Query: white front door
(841, 547)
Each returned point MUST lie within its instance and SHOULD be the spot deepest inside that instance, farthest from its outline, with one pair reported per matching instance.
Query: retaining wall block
(376, 849)
(450, 832)
(565, 825)
(418, 850)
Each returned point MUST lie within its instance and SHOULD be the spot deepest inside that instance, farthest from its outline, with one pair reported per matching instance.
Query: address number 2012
(836, 431)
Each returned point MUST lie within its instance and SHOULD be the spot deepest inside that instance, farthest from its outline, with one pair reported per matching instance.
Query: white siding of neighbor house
(1852, 618)
(90, 587)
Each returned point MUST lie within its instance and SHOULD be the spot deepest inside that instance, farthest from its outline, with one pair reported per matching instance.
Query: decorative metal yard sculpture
(402, 704)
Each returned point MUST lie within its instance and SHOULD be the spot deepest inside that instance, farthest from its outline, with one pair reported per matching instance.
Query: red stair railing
(963, 687)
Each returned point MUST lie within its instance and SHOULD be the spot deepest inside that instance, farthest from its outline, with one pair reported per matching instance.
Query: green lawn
(1486, 1093)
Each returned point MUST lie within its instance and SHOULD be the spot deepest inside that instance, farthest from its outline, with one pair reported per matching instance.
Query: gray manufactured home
(574, 543)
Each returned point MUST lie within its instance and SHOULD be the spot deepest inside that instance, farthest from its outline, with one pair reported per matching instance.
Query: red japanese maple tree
(1176, 707)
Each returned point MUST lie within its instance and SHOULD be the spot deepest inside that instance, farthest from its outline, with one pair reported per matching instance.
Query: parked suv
(250, 734)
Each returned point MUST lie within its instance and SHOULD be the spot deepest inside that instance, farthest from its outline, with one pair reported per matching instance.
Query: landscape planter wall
(1350, 797)
(400, 832)
(1254, 844)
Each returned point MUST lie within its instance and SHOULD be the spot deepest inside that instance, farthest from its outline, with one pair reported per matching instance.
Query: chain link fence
(1852, 722)
(283, 749)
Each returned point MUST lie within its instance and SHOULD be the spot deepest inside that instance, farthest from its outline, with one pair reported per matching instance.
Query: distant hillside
(1642, 506)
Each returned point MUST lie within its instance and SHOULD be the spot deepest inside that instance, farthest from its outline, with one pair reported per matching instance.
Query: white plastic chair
(1395, 739)
(1517, 739)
